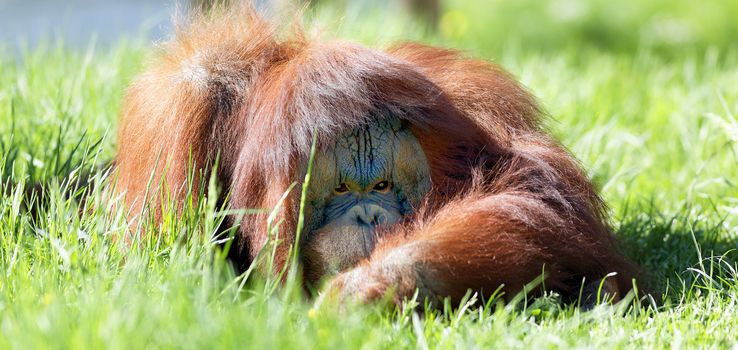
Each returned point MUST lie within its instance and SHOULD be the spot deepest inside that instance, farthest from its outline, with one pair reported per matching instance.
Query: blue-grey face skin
(369, 178)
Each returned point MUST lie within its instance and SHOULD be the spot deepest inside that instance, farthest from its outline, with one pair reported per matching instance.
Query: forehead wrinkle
(364, 154)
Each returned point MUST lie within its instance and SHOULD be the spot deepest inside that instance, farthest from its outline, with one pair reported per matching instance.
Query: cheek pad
(411, 173)
(320, 190)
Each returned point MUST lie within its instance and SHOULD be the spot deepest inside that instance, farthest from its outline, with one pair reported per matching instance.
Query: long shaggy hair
(506, 199)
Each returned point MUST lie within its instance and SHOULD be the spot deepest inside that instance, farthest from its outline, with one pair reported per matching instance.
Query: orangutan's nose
(372, 215)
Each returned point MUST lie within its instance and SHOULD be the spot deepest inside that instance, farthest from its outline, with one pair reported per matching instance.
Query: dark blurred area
(669, 26)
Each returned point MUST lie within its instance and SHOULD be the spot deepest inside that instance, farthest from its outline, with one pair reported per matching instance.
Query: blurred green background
(670, 27)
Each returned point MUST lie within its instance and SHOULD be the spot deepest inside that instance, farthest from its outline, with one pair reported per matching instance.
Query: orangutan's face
(369, 179)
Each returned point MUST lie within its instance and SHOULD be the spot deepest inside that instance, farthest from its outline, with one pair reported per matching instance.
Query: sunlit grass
(655, 127)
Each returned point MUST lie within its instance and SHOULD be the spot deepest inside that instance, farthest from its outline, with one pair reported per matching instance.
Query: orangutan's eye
(382, 186)
(341, 188)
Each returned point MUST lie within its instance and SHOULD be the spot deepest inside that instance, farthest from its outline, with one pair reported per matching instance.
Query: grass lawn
(644, 93)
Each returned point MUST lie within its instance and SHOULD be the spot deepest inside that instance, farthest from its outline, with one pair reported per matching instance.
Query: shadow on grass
(673, 250)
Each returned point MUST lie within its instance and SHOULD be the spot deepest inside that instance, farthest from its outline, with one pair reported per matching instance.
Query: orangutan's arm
(536, 217)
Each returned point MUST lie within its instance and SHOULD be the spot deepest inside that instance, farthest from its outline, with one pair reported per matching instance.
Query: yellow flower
(454, 24)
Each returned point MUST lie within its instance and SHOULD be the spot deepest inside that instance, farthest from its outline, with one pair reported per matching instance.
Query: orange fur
(507, 200)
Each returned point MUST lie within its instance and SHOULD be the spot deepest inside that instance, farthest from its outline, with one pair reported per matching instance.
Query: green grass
(654, 121)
